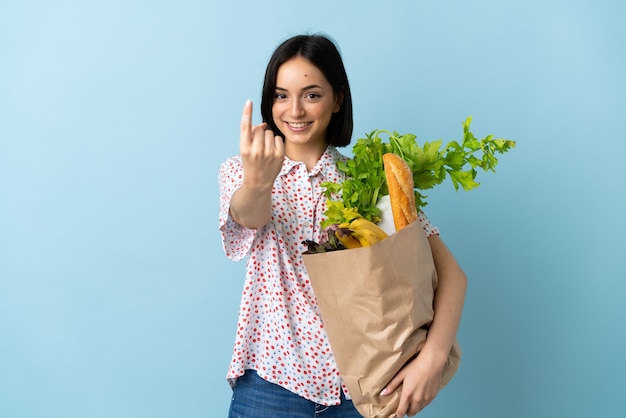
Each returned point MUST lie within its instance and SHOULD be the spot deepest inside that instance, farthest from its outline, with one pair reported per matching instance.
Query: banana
(366, 237)
(359, 233)
(344, 235)
(364, 224)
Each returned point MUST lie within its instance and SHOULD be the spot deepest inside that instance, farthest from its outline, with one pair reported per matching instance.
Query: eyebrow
(312, 86)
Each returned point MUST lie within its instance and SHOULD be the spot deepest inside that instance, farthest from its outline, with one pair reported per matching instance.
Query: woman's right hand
(262, 156)
(262, 153)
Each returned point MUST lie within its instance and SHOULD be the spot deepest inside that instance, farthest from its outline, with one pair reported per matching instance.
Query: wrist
(435, 354)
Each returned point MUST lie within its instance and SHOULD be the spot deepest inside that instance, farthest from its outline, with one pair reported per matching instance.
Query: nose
(297, 108)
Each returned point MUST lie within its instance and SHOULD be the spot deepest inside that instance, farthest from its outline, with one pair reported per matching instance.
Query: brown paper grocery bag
(376, 304)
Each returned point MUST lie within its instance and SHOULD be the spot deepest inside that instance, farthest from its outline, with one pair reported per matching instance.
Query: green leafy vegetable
(366, 183)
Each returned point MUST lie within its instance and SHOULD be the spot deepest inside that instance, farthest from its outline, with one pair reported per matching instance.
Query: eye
(280, 96)
(313, 96)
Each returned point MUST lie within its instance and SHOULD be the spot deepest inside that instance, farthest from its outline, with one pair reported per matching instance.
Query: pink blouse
(280, 333)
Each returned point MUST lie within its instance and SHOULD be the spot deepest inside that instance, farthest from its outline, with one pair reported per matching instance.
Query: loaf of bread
(401, 190)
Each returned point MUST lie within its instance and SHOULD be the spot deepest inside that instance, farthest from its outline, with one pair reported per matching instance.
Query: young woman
(270, 201)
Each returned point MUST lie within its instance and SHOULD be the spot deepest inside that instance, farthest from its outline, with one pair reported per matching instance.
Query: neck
(309, 155)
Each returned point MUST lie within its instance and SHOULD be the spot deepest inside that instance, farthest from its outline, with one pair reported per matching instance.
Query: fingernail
(383, 392)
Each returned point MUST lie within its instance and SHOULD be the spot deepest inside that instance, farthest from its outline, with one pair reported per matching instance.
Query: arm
(262, 156)
(421, 378)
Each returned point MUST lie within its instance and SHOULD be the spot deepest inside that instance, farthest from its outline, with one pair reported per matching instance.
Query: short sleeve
(429, 229)
(236, 239)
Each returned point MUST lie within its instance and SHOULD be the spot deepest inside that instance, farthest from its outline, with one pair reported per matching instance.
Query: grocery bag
(376, 304)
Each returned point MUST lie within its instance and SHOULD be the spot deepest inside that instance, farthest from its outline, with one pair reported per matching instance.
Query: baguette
(401, 190)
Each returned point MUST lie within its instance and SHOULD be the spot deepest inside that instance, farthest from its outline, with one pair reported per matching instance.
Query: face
(304, 103)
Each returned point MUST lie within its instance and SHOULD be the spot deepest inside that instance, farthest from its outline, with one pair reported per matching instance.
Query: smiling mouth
(298, 125)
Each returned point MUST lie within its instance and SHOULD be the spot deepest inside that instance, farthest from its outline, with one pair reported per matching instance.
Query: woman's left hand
(420, 380)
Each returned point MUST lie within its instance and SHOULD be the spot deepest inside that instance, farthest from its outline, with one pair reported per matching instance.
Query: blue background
(116, 299)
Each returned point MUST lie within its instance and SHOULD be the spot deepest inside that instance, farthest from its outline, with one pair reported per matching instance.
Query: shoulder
(335, 154)
(232, 163)
(332, 156)
(328, 164)
(234, 160)
(231, 169)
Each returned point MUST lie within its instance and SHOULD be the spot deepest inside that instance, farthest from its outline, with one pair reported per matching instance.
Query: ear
(338, 101)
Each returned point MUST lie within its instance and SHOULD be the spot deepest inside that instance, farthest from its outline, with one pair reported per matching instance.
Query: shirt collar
(326, 165)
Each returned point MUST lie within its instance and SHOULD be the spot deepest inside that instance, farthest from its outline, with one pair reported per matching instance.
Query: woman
(270, 201)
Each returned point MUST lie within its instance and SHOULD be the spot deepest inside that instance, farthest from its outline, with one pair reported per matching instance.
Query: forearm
(251, 206)
(448, 301)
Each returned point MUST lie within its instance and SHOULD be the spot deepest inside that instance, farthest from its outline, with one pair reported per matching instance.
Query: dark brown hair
(322, 52)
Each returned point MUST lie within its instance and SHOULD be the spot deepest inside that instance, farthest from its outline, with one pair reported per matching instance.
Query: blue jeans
(254, 397)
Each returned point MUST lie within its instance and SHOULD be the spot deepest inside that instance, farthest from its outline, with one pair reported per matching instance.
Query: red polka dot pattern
(280, 333)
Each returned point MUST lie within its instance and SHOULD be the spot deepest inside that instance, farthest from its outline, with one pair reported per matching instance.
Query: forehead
(299, 70)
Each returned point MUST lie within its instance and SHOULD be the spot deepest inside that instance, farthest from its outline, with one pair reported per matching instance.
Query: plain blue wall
(116, 299)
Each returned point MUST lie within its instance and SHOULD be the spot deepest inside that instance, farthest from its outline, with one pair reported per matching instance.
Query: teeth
(298, 125)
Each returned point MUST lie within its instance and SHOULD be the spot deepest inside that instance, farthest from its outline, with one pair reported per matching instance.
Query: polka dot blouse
(280, 333)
